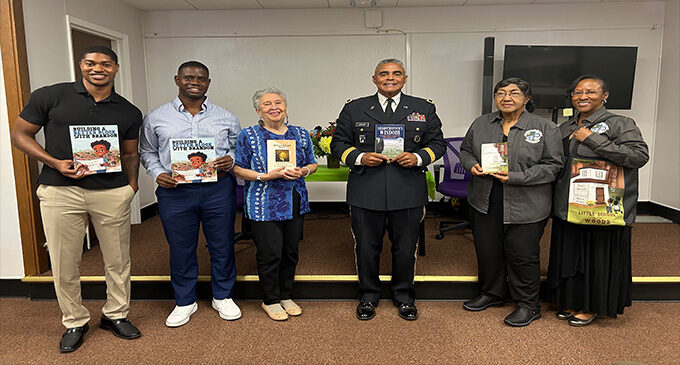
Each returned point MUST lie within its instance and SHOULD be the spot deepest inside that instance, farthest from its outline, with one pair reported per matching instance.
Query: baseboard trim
(653, 208)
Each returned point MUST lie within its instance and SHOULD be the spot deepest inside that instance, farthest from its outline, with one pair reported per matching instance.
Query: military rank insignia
(416, 117)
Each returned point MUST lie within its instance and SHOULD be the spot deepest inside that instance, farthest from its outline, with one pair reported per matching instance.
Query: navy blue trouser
(182, 210)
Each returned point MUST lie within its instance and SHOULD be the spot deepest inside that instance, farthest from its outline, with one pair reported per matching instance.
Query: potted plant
(321, 139)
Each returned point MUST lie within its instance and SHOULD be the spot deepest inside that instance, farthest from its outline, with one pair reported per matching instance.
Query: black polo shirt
(57, 106)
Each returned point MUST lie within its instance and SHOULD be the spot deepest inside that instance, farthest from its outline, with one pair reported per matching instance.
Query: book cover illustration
(495, 157)
(96, 147)
(389, 139)
(280, 153)
(193, 160)
(596, 193)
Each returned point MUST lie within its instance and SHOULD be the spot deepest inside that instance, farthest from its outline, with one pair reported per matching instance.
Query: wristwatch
(259, 176)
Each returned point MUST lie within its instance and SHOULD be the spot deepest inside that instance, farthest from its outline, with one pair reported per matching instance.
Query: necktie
(388, 109)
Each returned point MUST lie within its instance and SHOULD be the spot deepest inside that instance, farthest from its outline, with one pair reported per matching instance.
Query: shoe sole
(183, 322)
(477, 309)
(523, 324)
(117, 335)
(228, 318)
(582, 323)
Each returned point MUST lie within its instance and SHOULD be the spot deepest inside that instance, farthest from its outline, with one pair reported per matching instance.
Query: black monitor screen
(551, 69)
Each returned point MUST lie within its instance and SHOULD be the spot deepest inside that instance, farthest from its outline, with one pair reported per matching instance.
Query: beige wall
(666, 168)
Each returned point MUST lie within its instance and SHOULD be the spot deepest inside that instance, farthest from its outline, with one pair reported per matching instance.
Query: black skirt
(590, 268)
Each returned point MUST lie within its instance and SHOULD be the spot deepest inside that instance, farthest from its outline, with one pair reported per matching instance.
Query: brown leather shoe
(275, 311)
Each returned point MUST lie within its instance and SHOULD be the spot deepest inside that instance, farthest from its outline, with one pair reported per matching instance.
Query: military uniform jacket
(387, 186)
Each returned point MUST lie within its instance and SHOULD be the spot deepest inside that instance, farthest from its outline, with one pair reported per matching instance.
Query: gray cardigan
(534, 160)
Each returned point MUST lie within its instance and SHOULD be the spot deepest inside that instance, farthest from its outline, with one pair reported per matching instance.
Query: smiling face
(196, 161)
(389, 78)
(100, 150)
(98, 69)
(272, 108)
(510, 99)
(193, 82)
(588, 97)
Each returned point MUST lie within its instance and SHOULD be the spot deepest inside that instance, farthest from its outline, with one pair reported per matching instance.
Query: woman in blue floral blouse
(275, 201)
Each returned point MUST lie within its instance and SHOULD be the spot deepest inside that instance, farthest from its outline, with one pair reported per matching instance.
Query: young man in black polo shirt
(70, 196)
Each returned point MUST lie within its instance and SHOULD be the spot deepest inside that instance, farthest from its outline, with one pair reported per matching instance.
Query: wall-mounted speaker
(487, 75)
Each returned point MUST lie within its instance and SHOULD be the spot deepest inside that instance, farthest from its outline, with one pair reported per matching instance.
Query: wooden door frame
(18, 89)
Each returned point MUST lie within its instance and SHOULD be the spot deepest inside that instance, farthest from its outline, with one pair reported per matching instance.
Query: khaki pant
(65, 211)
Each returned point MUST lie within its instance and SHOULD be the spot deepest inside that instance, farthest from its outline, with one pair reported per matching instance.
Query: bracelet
(308, 171)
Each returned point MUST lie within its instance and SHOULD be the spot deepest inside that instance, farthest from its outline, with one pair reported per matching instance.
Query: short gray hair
(390, 60)
(270, 90)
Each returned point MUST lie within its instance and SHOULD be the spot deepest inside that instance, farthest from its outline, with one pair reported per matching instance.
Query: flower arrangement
(321, 139)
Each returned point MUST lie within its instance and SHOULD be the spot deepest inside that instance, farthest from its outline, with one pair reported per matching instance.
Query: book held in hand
(193, 160)
(389, 139)
(495, 157)
(96, 147)
(280, 153)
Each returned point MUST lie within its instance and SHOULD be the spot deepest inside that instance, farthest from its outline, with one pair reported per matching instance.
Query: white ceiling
(325, 4)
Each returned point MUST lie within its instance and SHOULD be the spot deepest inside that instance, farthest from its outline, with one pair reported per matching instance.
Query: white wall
(666, 169)
(48, 49)
(11, 259)
(247, 50)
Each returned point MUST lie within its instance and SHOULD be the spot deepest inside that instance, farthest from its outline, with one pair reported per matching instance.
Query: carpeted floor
(327, 332)
(327, 249)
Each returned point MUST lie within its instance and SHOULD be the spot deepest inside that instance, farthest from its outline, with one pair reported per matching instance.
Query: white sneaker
(181, 315)
(226, 308)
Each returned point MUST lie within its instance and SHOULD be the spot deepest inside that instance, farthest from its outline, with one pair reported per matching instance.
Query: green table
(323, 173)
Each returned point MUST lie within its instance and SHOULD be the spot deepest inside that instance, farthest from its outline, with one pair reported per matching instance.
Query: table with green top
(323, 173)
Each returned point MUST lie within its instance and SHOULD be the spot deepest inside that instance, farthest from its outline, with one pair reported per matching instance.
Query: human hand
(166, 181)
(477, 170)
(134, 185)
(292, 174)
(67, 168)
(278, 173)
(501, 175)
(582, 133)
(406, 159)
(224, 163)
(373, 159)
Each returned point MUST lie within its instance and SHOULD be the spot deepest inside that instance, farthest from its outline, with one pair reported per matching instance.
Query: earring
(286, 122)
(604, 101)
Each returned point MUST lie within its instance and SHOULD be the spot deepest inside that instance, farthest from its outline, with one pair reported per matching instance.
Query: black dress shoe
(522, 317)
(366, 310)
(73, 338)
(407, 311)
(563, 315)
(482, 302)
(120, 327)
(577, 322)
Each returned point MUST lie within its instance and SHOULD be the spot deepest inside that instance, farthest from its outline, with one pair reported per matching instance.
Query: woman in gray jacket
(510, 208)
(589, 273)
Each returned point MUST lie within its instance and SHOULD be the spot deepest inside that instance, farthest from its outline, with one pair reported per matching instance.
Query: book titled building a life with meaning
(193, 160)
(96, 147)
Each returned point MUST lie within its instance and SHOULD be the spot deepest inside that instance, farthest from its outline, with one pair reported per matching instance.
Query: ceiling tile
(225, 4)
(294, 4)
(160, 4)
(499, 2)
(565, 2)
(412, 3)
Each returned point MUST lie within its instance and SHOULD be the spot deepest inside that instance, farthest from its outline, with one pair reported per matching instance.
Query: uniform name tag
(361, 124)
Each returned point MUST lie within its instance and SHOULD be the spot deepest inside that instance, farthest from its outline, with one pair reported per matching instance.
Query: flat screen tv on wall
(551, 69)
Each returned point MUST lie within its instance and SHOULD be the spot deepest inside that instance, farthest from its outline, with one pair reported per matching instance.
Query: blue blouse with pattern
(272, 200)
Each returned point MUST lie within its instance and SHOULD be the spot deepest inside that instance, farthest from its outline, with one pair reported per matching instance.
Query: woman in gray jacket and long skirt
(510, 209)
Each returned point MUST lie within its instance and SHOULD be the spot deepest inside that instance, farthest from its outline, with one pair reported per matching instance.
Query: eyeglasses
(514, 94)
(588, 93)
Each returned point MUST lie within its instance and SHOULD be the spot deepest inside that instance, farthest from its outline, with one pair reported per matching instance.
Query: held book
(96, 147)
(389, 139)
(495, 157)
(280, 153)
(193, 160)
(596, 190)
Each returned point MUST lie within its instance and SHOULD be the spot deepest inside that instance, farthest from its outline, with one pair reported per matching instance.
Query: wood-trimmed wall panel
(18, 89)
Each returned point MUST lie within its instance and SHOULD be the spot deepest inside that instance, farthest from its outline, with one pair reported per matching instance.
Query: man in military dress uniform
(387, 194)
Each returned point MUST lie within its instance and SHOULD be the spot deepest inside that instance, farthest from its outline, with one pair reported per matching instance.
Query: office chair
(454, 183)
